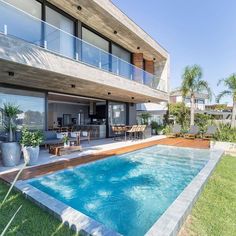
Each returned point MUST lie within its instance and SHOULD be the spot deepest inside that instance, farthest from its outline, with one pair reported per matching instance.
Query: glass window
(27, 28)
(121, 67)
(32, 7)
(59, 41)
(31, 106)
(91, 53)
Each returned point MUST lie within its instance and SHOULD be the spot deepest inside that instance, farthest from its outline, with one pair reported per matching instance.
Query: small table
(61, 150)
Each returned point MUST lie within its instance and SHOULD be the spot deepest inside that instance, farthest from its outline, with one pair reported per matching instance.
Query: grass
(31, 220)
(214, 214)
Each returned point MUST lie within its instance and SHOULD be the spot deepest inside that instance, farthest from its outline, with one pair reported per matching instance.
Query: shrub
(202, 121)
(225, 133)
(31, 138)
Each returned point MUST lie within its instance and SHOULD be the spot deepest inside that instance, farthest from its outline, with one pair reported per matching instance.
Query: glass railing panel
(125, 69)
(148, 79)
(137, 74)
(59, 41)
(19, 24)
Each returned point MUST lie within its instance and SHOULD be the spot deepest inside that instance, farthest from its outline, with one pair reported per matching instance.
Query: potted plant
(30, 141)
(11, 151)
(154, 126)
(66, 140)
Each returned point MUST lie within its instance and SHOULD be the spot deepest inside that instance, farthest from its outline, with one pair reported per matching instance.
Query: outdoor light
(79, 8)
(132, 97)
(149, 101)
(154, 59)
(11, 73)
(109, 93)
(115, 32)
(138, 48)
(72, 85)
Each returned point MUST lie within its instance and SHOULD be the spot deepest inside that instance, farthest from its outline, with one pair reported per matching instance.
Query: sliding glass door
(116, 115)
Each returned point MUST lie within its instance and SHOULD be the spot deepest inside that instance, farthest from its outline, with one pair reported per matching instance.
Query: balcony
(18, 24)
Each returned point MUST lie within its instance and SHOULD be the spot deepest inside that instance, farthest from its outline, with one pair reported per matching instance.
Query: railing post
(5, 29)
(100, 60)
(45, 44)
(117, 69)
(76, 56)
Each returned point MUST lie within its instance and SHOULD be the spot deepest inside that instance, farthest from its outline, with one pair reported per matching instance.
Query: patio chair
(192, 133)
(132, 131)
(141, 131)
(175, 131)
(211, 130)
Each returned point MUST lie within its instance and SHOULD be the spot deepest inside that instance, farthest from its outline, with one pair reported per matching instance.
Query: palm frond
(223, 94)
(202, 86)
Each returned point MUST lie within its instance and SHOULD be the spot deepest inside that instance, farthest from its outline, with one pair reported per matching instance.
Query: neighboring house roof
(197, 95)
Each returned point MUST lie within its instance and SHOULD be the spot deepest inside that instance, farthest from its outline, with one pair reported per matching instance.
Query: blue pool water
(129, 192)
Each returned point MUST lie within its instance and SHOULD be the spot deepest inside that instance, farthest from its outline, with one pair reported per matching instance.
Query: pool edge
(75, 219)
(173, 218)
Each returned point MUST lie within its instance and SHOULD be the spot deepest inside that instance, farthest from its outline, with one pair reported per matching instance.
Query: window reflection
(31, 106)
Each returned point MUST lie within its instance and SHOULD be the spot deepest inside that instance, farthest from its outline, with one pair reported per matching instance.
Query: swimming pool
(127, 193)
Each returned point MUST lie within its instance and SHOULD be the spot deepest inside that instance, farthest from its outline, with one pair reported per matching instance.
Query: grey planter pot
(31, 155)
(11, 153)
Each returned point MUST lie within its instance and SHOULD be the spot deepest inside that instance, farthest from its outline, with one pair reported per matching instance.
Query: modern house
(77, 63)
(201, 99)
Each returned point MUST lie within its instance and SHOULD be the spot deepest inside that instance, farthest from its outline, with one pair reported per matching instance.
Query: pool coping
(168, 224)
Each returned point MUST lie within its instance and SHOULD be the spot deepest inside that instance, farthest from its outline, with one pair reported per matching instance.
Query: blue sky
(193, 32)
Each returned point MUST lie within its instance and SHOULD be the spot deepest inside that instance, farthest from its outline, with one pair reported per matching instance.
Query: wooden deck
(55, 166)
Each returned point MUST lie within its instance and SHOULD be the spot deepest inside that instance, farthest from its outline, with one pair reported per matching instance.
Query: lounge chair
(175, 131)
(211, 130)
(192, 133)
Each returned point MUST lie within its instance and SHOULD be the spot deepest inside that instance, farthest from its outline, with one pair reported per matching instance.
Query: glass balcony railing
(19, 24)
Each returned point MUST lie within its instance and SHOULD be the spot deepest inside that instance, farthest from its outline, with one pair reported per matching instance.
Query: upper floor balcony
(19, 24)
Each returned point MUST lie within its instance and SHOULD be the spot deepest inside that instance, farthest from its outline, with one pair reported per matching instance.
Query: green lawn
(31, 220)
(215, 212)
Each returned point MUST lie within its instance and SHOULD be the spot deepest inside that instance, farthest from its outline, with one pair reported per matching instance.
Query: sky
(199, 32)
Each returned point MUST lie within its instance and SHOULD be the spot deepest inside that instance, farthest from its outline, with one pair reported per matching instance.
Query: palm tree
(230, 84)
(192, 83)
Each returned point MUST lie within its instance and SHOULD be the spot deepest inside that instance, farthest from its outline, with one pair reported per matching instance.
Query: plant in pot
(11, 151)
(30, 141)
(154, 126)
(66, 140)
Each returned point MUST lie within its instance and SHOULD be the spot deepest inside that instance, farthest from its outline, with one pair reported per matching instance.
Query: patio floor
(97, 149)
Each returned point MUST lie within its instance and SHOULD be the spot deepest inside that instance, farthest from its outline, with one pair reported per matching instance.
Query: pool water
(129, 192)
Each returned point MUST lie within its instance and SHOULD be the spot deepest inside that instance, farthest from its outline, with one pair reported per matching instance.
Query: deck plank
(59, 165)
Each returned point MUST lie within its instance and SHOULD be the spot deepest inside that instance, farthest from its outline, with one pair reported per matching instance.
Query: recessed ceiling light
(11, 73)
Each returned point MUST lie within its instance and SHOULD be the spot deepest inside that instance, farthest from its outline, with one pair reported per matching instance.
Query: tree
(230, 84)
(192, 83)
(180, 113)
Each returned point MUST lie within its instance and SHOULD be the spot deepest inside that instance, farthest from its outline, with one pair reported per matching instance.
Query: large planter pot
(11, 153)
(31, 155)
